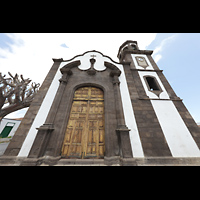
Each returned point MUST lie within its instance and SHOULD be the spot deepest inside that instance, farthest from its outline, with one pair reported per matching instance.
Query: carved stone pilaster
(66, 74)
(124, 141)
(45, 130)
(46, 127)
(122, 130)
(91, 70)
(43, 136)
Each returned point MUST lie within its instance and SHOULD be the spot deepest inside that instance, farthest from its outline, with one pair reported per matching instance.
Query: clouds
(31, 54)
(64, 45)
(163, 44)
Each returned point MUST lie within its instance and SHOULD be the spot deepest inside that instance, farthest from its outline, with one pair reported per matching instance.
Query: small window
(7, 129)
(152, 83)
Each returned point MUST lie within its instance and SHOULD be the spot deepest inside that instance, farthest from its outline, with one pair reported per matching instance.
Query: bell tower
(166, 129)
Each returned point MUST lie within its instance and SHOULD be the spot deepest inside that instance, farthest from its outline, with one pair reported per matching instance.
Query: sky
(176, 54)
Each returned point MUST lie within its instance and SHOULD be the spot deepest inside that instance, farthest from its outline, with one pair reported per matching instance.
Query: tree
(15, 93)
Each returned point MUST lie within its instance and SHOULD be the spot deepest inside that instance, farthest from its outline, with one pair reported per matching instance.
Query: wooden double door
(85, 134)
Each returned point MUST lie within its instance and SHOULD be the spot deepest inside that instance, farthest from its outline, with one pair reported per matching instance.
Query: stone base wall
(111, 161)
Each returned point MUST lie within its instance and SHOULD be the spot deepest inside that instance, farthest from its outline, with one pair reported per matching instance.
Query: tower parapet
(130, 47)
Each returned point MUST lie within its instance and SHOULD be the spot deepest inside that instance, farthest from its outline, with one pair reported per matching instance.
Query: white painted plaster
(48, 100)
(129, 116)
(42, 113)
(178, 137)
(85, 61)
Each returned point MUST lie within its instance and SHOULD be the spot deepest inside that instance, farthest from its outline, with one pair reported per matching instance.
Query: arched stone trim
(70, 65)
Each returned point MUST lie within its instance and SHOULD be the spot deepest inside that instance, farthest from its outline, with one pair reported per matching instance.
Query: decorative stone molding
(142, 62)
(91, 70)
(71, 65)
(46, 127)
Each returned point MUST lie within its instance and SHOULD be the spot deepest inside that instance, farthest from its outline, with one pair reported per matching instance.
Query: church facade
(93, 110)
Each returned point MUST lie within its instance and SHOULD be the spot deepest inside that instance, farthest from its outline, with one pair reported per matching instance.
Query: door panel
(84, 136)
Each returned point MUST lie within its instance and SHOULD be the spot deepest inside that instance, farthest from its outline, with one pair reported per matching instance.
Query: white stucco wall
(48, 100)
(41, 116)
(129, 116)
(178, 137)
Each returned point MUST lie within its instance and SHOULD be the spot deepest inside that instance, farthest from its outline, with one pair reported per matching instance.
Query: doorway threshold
(85, 162)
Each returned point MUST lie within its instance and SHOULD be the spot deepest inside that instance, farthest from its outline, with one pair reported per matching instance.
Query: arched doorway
(85, 133)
